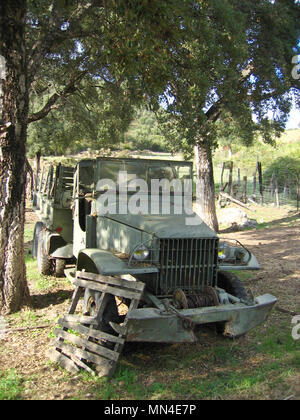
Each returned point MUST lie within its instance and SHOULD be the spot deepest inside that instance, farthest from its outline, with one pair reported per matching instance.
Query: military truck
(53, 234)
(126, 220)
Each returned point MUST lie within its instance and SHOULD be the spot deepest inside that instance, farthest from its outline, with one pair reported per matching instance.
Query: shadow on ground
(51, 298)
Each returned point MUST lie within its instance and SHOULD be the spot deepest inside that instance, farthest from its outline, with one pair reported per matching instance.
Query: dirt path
(278, 252)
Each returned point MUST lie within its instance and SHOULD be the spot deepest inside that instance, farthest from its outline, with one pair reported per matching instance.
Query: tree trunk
(13, 286)
(206, 206)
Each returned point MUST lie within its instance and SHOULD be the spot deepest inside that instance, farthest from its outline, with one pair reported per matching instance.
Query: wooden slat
(63, 360)
(82, 354)
(89, 332)
(89, 320)
(131, 285)
(107, 289)
(77, 360)
(104, 300)
(75, 355)
(75, 298)
(100, 350)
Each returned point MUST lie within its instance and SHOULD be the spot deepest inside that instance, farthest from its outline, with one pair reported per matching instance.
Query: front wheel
(91, 303)
(232, 285)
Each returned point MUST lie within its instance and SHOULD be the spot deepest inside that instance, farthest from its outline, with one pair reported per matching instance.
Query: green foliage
(10, 385)
(283, 159)
(237, 65)
(144, 133)
(93, 117)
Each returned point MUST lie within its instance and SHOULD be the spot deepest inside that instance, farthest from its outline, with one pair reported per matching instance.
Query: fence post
(272, 184)
(254, 183)
(277, 193)
(260, 182)
(230, 178)
(297, 192)
(244, 189)
(222, 174)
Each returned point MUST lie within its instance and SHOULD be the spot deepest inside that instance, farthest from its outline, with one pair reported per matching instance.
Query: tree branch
(54, 35)
(52, 101)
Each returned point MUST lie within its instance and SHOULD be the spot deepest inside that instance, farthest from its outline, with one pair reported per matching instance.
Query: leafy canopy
(239, 64)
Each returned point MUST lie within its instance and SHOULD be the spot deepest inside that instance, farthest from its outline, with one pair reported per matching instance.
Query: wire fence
(258, 190)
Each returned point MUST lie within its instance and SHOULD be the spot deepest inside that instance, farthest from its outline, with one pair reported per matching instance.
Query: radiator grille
(188, 264)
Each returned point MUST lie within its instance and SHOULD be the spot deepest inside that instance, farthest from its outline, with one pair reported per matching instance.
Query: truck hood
(167, 226)
(181, 222)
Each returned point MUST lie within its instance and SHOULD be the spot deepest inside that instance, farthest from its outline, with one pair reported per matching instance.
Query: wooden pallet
(80, 343)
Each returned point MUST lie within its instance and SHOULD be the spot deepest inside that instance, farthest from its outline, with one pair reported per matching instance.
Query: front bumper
(154, 325)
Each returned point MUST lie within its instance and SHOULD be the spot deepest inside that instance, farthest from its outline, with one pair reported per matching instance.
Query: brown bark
(206, 187)
(13, 286)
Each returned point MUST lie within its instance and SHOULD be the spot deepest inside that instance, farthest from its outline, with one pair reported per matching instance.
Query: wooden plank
(104, 288)
(127, 284)
(75, 298)
(89, 332)
(77, 360)
(104, 300)
(63, 360)
(82, 354)
(90, 320)
(75, 355)
(234, 200)
(100, 350)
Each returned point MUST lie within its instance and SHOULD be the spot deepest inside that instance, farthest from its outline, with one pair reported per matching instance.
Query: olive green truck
(148, 268)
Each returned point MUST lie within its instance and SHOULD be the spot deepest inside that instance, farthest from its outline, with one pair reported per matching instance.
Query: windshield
(142, 174)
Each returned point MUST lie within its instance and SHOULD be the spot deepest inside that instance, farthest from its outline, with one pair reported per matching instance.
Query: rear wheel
(60, 265)
(44, 263)
(39, 226)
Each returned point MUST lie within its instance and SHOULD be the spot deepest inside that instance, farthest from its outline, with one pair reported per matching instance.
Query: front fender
(253, 264)
(106, 263)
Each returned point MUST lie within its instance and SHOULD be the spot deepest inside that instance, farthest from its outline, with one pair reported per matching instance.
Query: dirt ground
(277, 249)
(278, 252)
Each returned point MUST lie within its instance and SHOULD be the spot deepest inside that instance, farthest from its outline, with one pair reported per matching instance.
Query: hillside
(283, 160)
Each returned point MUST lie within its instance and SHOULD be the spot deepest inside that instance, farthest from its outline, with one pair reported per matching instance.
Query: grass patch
(42, 283)
(28, 232)
(252, 368)
(10, 385)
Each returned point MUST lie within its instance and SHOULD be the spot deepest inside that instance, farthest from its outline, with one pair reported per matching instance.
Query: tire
(232, 285)
(60, 265)
(39, 226)
(44, 263)
(90, 307)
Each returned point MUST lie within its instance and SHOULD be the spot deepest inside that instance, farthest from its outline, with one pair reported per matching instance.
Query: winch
(198, 299)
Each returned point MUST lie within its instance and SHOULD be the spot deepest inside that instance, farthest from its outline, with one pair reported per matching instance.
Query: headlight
(141, 253)
(224, 251)
(237, 255)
